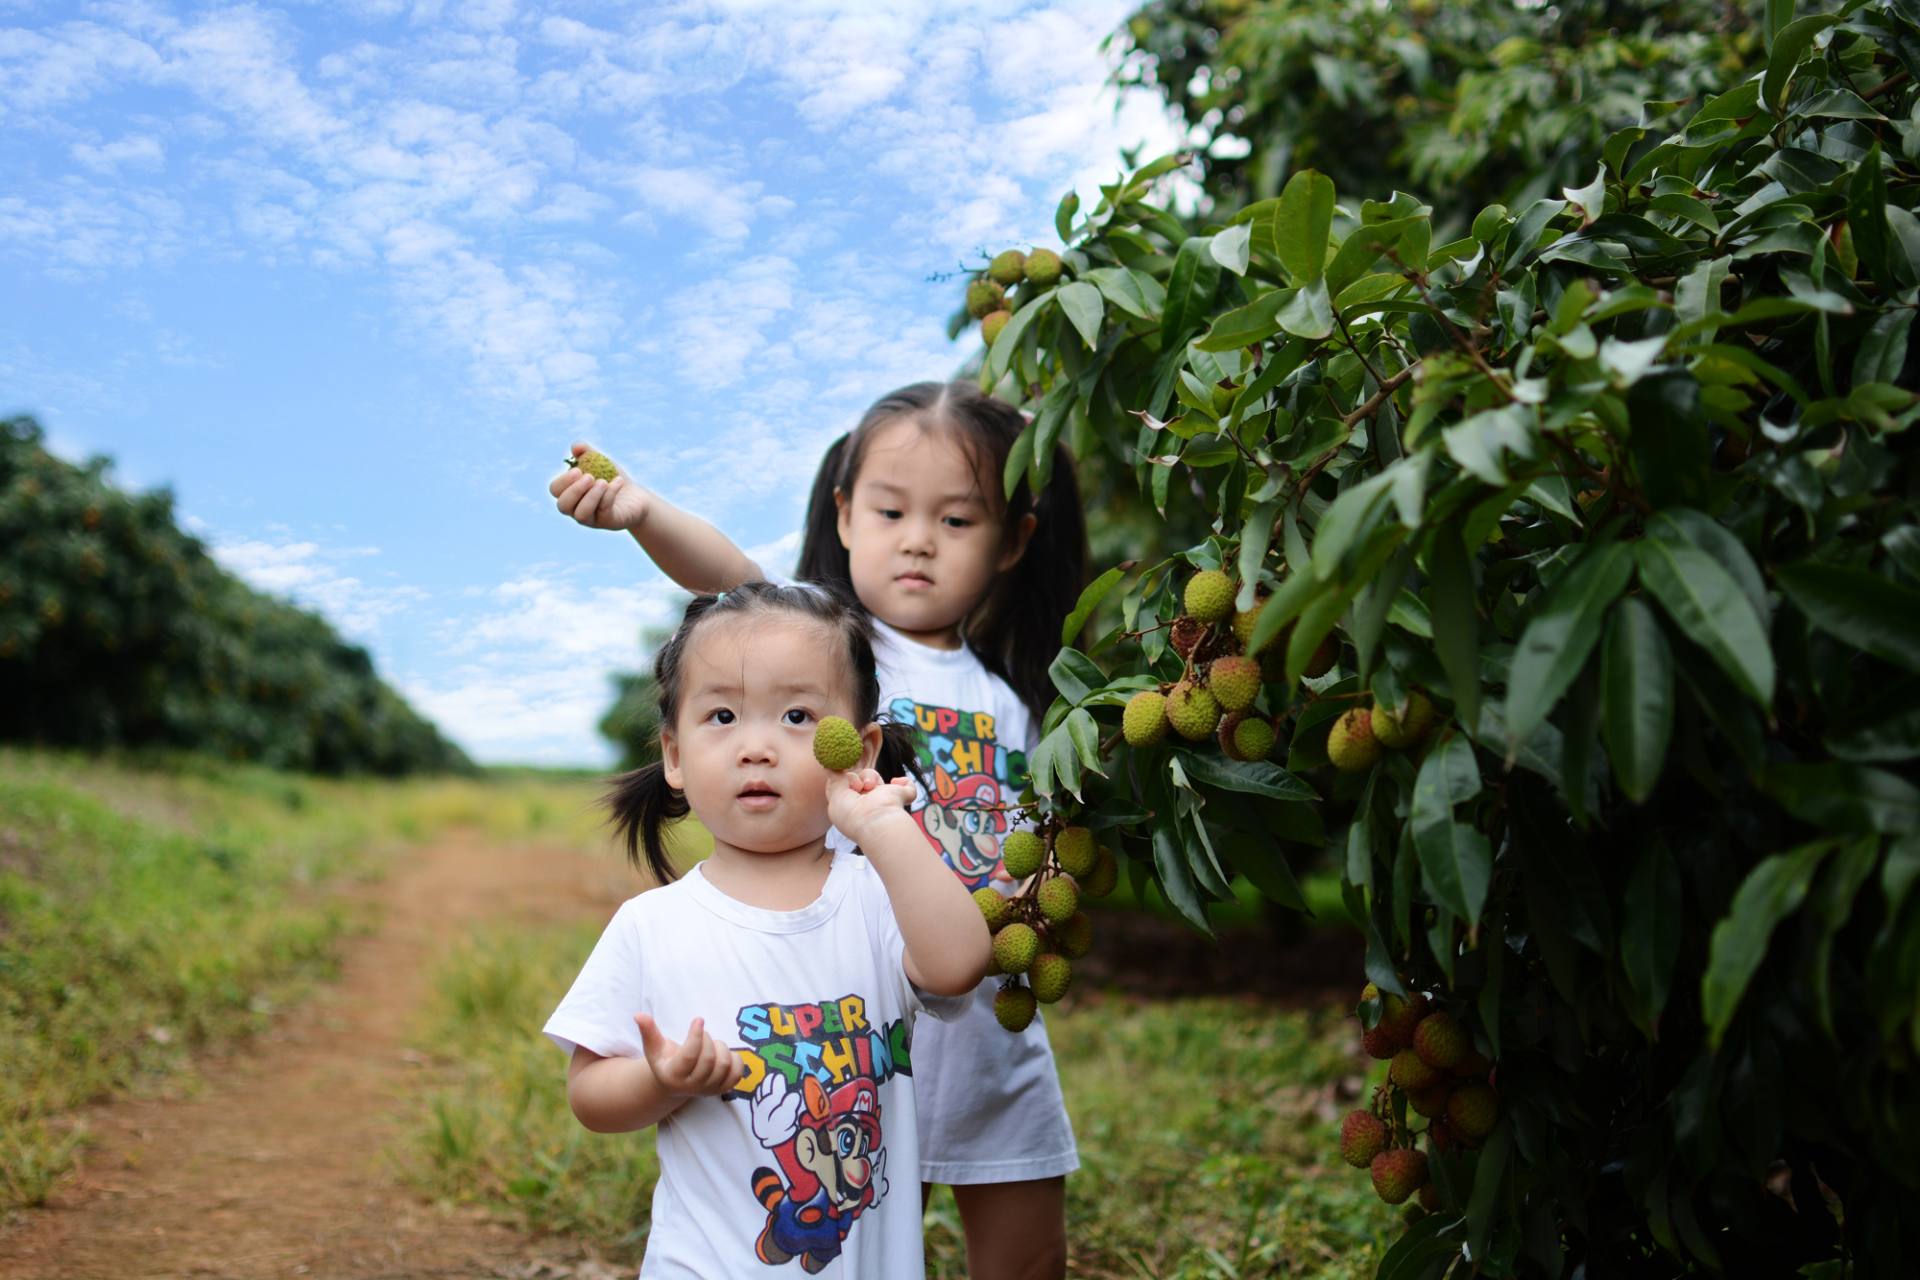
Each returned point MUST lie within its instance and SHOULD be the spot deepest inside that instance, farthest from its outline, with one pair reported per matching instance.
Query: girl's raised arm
(692, 552)
(947, 944)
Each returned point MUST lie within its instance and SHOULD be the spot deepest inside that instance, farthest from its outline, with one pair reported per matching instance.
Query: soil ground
(277, 1163)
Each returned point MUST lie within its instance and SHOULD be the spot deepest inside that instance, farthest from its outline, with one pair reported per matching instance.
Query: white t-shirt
(814, 1157)
(990, 1104)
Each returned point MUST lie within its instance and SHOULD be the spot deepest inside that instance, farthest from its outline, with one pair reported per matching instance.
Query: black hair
(644, 802)
(1015, 630)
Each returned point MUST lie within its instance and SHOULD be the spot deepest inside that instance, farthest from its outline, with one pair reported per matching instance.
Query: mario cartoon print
(832, 1167)
(972, 780)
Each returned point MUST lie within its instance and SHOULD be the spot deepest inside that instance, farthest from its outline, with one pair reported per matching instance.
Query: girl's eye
(959, 522)
(798, 715)
(889, 513)
(720, 715)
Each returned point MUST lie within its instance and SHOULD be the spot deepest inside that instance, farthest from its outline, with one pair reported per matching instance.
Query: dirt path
(275, 1167)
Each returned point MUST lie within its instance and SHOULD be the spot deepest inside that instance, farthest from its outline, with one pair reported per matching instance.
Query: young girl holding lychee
(966, 589)
(795, 969)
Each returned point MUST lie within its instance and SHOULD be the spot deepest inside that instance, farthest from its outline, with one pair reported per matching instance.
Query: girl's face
(923, 537)
(752, 689)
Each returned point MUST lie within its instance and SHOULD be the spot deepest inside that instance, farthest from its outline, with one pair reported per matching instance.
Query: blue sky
(350, 276)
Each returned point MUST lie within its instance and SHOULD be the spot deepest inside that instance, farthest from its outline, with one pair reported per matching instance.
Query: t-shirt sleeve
(878, 910)
(597, 1011)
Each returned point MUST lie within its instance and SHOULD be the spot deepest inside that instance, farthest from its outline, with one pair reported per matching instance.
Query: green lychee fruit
(1144, 722)
(1104, 877)
(1008, 268)
(1406, 729)
(1380, 1042)
(1074, 938)
(1430, 1198)
(985, 297)
(1432, 1100)
(1044, 268)
(1021, 853)
(1075, 850)
(1407, 1071)
(1209, 595)
(1246, 737)
(1398, 1173)
(994, 907)
(836, 743)
(1234, 681)
(1050, 975)
(1362, 1137)
(1013, 1007)
(1441, 1137)
(1440, 1041)
(1244, 621)
(992, 323)
(1350, 743)
(596, 464)
(1473, 1110)
(1186, 634)
(1058, 898)
(1192, 711)
(1015, 946)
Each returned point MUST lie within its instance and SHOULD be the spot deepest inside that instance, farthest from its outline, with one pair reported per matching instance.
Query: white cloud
(311, 575)
(135, 150)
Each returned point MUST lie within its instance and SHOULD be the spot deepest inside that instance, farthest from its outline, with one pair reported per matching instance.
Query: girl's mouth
(757, 795)
(914, 581)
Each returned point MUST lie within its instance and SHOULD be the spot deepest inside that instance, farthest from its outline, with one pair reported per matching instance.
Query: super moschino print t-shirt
(811, 1165)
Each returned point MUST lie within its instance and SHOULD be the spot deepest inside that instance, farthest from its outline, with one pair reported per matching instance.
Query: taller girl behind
(967, 590)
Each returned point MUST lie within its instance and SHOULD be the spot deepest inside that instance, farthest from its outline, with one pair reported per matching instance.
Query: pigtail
(897, 756)
(642, 804)
(822, 558)
(1016, 631)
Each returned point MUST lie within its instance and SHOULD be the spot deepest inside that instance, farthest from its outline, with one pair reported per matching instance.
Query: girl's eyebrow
(792, 687)
(958, 496)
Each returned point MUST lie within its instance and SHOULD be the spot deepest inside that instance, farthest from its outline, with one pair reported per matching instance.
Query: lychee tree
(1577, 558)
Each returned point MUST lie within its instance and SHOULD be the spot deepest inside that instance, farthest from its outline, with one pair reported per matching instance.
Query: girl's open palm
(697, 1067)
(858, 799)
(599, 504)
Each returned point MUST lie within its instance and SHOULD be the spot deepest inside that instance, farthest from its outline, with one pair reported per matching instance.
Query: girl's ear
(1017, 543)
(870, 746)
(670, 760)
(843, 517)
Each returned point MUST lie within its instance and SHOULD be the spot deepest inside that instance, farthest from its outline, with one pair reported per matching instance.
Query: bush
(1621, 482)
(117, 629)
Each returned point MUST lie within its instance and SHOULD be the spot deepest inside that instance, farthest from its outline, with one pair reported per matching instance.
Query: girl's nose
(916, 537)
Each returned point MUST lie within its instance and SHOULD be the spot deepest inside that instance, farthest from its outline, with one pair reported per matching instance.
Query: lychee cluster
(1444, 1080)
(1039, 930)
(1363, 734)
(987, 299)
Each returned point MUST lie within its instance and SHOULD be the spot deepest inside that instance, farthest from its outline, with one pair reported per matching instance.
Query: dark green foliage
(1464, 101)
(117, 629)
(1623, 479)
(632, 723)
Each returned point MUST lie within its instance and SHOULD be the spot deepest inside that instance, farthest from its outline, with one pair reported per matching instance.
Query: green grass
(152, 907)
(1206, 1127)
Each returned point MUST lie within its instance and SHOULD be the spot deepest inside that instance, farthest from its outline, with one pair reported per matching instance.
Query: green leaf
(1859, 606)
(1455, 620)
(1456, 863)
(1707, 605)
(1089, 600)
(1348, 521)
(1883, 351)
(1845, 797)
(1773, 891)
(1833, 903)
(1255, 536)
(1282, 607)
(1525, 236)
(1253, 777)
(1075, 675)
(1790, 45)
(1244, 326)
(1063, 215)
(1489, 1176)
(1637, 683)
(1264, 863)
(1420, 1252)
(1170, 860)
(1189, 292)
(1301, 225)
(1650, 934)
(1309, 312)
(1561, 634)
(1000, 355)
(1134, 292)
(1084, 733)
(1230, 248)
(1082, 303)
(1867, 219)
